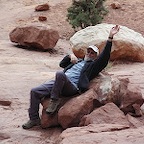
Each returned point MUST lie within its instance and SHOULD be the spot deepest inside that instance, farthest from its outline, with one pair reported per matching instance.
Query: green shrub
(84, 13)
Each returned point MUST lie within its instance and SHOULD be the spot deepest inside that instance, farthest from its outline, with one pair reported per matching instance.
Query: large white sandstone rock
(127, 44)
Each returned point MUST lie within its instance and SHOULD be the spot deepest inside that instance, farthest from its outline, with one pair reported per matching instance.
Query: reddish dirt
(23, 69)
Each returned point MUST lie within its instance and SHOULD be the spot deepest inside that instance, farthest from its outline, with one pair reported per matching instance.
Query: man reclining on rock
(73, 79)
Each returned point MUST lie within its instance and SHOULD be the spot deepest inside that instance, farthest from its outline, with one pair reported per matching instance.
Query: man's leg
(36, 95)
(62, 86)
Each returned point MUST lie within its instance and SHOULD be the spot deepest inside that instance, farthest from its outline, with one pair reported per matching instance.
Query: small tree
(84, 13)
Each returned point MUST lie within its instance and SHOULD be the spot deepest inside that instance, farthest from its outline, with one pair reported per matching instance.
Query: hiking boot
(52, 106)
(31, 123)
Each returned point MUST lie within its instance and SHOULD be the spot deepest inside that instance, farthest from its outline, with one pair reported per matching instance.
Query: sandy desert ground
(22, 69)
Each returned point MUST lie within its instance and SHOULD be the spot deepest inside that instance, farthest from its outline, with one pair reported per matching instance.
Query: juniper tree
(84, 13)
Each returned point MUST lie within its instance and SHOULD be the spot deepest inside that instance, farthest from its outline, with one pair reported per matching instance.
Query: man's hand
(113, 31)
(73, 58)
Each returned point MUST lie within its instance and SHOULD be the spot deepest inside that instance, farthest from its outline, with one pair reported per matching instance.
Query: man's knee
(34, 92)
(60, 74)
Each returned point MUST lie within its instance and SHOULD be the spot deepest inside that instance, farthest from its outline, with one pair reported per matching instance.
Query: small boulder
(107, 114)
(38, 37)
(42, 7)
(42, 18)
(5, 102)
(115, 5)
(48, 120)
(72, 111)
(126, 96)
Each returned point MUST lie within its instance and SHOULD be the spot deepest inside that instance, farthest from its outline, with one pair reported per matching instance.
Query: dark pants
(50, 89)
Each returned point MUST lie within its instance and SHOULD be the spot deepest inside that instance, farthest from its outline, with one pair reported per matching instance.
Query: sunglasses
(90, 52)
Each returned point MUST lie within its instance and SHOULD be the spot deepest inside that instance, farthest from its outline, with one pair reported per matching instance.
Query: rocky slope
(23, 69)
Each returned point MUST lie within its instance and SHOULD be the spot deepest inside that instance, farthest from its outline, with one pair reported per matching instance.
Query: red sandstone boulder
(116, 5)
(107, 114)
(39, 37)
(72, 111)
(5, 102)
(42, 7)
(42, 18)
(102, 134)
(119, 91)
(48, 120)
(131, 98)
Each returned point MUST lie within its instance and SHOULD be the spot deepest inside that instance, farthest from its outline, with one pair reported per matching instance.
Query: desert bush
(84, 13)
